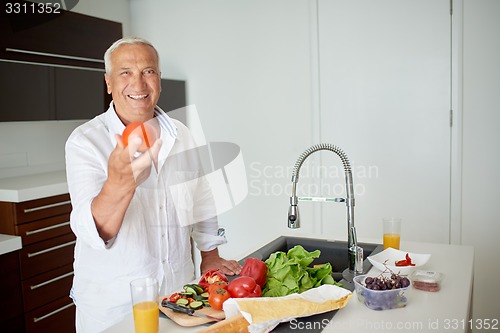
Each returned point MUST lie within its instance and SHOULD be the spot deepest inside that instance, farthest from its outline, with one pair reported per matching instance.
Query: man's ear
(108, 86)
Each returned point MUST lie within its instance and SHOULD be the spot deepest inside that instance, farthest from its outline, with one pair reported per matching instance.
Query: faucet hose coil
(315, 148)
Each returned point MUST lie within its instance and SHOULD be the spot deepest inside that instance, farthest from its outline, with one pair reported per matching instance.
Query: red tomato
(244, 286)
(217, 298)
(217, 285)
(145, 131)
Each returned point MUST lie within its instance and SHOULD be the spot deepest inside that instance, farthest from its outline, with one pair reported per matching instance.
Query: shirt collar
(166, 122)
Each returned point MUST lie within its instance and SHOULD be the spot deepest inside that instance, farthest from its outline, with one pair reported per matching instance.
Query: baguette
(236, 324)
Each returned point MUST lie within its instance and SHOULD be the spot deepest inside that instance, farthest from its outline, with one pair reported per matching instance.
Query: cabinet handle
(53, 55)
(51, 249)
(29, 210)
(31, 232)
(37, 319)
(36, 286)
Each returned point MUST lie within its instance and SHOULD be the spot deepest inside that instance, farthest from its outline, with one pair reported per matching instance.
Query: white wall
(481, 150)
(248, 68)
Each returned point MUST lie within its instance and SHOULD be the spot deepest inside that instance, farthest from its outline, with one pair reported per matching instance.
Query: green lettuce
(289, 273)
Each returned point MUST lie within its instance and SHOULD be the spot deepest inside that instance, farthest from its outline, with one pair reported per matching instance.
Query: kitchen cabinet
(52, 65)
(42, 92)
(18, 79)
(45, 260)
(79, 93)
(11, 308)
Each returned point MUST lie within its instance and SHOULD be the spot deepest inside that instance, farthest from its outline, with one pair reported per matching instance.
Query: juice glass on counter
(145, 305)
(392, 232)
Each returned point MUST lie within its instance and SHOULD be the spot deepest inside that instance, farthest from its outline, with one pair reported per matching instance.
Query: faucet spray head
(293, 217)
(293, 214)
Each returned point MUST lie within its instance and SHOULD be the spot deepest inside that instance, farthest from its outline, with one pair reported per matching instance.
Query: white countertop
(446, 310)
(30, 187)
(9, 243)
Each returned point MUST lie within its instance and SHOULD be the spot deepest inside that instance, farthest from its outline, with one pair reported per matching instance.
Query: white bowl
(389, 256)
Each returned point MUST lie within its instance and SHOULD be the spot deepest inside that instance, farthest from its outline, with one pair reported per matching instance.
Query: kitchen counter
(446, 310)
(31, 187)
(9, 243)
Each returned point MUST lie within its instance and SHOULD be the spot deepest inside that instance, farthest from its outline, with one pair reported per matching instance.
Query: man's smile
(138, 97)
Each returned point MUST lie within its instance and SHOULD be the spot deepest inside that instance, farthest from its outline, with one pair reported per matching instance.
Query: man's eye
(124, 73)
(150, 71)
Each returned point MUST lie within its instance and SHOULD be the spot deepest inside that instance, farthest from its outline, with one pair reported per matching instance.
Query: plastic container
(426, 280)
(380, 299)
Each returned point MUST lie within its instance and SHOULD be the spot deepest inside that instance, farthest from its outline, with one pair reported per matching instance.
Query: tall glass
(145, 305)
(392, 232)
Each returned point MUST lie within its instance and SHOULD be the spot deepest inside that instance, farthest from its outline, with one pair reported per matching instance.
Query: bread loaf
(235, 324)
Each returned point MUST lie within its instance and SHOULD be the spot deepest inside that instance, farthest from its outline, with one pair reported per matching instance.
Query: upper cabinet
(52, 65)
(53, 69)
(41, 92)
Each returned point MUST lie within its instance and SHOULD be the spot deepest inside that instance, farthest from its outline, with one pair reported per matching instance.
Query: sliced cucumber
(196, 305)
(182, 301)
(205, 303)
(204, 295)
(186, 294)
(199, 289)
(190, 290)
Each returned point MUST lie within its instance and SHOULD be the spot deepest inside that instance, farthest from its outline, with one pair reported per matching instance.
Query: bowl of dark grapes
(382, 292)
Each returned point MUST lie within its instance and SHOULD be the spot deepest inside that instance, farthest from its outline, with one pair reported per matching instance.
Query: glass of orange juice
(392, 232)
(145, 305)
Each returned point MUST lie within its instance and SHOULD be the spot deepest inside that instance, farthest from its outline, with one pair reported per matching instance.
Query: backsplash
(32, 147)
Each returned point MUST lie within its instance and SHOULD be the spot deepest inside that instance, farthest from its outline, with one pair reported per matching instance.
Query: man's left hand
(212, 260)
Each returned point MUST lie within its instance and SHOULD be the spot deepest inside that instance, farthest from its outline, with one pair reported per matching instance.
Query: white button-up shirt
(167, 210)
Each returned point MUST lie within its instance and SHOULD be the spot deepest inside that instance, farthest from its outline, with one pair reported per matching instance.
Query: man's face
(134, 82)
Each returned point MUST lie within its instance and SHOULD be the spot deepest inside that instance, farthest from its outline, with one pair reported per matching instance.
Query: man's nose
(138, 82)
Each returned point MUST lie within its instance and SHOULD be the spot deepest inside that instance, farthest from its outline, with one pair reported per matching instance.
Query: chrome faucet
(355, 252)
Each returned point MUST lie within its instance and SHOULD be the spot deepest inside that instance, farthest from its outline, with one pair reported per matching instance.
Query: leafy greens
(289, 273)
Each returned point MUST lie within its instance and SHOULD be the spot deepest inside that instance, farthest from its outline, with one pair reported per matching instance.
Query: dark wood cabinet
(11, 306)
(52, 64)
(79, 94)
(52, 67)
(45, 263)
(42, 92)
(17, 82)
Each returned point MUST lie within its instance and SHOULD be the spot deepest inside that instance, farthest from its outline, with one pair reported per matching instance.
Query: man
(134, 214)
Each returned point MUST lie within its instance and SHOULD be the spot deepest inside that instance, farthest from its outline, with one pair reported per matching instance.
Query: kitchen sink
(334, 252)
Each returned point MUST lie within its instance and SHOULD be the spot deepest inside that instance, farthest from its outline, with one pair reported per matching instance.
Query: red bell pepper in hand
(244, 286)
(256, 269)
(210, 277)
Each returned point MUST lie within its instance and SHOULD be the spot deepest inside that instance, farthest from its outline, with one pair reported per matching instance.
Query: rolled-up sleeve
(205, 234)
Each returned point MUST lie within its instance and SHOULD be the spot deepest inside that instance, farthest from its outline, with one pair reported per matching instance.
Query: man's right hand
(125, 173)
(128, 171)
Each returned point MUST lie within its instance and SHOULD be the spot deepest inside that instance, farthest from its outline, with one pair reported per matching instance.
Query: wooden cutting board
(187, 320)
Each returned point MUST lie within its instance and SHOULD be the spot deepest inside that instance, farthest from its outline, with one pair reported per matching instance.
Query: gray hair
(125, 41)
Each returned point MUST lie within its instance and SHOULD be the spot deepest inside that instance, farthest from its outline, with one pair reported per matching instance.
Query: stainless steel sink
(334, 252)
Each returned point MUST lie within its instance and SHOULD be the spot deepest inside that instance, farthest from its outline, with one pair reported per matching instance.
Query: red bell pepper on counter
(244, 286)
(210, 277)
(255, 269)
(405, 262)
